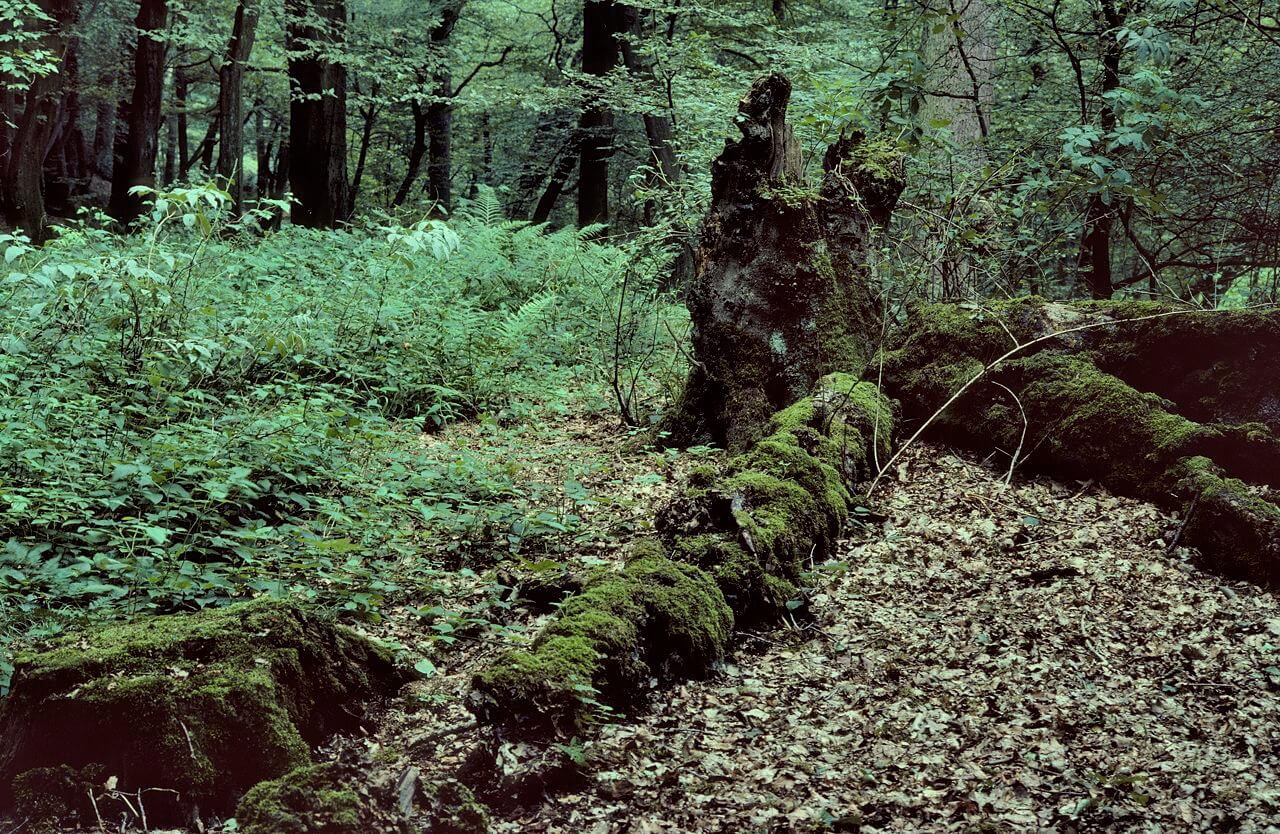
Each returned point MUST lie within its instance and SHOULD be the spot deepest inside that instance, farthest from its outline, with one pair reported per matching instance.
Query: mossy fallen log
(733, 547)
(1177, 407)
(192, 709)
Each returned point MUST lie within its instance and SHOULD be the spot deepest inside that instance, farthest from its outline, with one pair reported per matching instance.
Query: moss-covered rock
(1176, 407)
(204, 704)
(317, 799)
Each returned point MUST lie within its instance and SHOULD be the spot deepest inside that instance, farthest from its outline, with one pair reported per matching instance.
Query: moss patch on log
(655, 618)
(204, 704)
(734, 548)
(1121, 392)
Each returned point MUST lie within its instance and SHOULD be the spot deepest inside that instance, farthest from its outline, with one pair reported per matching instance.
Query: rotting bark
(195, 708)
(1181, 408)
(733, 548)
(781, 293)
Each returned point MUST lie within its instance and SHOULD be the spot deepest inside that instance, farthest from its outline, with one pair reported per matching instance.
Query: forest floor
(1029, 657)
(983, 657)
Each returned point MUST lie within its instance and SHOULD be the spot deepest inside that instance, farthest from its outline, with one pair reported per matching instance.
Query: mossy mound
(735, 544)
(205, 704)
(654, 618)
(1121, 392)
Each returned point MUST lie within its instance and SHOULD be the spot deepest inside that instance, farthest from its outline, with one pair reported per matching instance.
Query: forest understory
(636, 416)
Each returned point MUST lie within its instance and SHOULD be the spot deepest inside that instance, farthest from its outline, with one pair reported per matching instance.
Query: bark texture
(136, 163)
(231, 101)
(781, 294)
(317, 114)
(1178, 408)
(22, 191)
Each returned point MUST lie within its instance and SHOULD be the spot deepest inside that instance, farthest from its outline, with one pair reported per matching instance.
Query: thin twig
(1017, 453)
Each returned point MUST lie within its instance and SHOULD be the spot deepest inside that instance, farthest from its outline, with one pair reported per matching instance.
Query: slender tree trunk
(657, 129)
(180, 87)
(317, 114)
(22, 193)
(66, 162)
(555, 185)
(417, 153)
(170, 149)
(370, 115)
(138, 157)
(602, 21)
(231, 104)
(8, 118)
(262, 142)
(1095, 245)
(440, 144)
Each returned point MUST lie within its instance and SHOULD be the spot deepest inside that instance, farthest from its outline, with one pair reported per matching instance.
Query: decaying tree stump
(1181, 408)
(781, 294)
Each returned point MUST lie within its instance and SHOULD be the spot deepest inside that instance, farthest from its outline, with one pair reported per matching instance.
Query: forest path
(1015, 658)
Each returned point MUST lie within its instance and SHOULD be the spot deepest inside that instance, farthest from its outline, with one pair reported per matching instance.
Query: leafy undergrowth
(205, 412)
(1034, 657)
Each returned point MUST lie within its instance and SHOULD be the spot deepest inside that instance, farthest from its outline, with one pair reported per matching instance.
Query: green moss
(308, 800)
(206, 704)
(653, 618)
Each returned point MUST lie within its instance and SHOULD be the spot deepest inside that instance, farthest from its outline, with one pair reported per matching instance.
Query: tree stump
(781, 293)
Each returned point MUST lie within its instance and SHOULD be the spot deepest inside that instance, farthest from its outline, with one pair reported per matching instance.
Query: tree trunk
(602, 21)
(180, 86)
(555, 185)
(370, 117)
(1095, 243)
(104, 139)
(781, 294)
(317, 114)
(417, 152)
(22, 194)
(230, 102)
(66, 163)
(137, 160)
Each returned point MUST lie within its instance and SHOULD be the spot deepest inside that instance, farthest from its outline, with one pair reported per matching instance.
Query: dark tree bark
(8, 118)
(1095, 245)
(137, 161)
(781, 293)
(602, 22)
(433, 122)
(317, 114)
(555, 185)
(22, 193)
(440, 113)
(104, 138)
(231, 104)
(658, 129)
(180, 86)
(66, 164)
(417, 152)
(370, 117)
